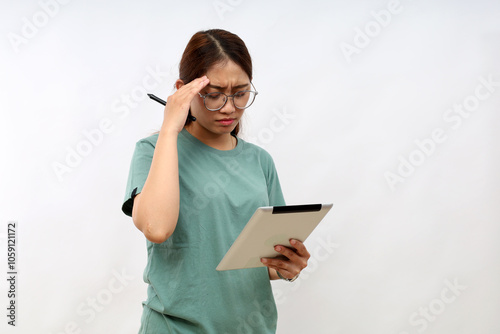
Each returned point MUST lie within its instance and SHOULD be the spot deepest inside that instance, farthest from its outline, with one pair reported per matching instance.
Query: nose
(228, 107)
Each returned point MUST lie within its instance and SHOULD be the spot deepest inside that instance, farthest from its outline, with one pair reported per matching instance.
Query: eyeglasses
(217, 100)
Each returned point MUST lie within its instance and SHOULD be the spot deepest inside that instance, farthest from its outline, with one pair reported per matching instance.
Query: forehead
(226, 75)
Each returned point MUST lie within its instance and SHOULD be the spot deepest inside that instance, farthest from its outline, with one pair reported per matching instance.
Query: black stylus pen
(157, 99)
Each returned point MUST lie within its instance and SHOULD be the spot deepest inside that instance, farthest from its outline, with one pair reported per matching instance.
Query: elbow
(155, 230)
(156, 235)
(156, 227)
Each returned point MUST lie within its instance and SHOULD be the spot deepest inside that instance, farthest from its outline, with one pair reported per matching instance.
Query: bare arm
(272, 274)
(156, 207)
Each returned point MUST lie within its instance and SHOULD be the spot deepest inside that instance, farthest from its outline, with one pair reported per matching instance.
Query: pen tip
(150, 95)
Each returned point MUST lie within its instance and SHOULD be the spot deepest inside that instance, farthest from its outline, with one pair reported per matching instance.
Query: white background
(335, 124)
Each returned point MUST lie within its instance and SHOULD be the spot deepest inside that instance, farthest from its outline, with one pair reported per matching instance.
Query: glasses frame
(229, 96)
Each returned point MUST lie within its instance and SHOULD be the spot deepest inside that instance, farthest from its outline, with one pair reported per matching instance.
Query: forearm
(158, 203)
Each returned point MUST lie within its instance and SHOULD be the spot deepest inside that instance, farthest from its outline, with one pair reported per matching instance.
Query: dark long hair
(211, 47)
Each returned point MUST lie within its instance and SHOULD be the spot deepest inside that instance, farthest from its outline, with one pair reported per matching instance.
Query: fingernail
(278, 248)
(293, 241)
(263, 260)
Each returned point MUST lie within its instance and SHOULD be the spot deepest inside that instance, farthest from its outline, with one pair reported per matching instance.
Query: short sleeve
(274, 191)
(138, 173)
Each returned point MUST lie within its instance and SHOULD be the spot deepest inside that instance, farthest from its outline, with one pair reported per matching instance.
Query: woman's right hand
(177, 107)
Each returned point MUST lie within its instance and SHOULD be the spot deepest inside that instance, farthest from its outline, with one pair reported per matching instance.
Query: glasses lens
(214, 101)
(244, 99)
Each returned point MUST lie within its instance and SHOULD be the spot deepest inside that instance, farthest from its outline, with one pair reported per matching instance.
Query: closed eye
(213, 96)
(240, 94)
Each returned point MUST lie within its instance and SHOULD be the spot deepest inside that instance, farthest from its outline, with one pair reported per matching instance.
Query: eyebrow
(235, 87)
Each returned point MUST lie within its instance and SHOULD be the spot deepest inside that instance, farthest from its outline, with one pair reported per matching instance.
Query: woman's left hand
(292, 261)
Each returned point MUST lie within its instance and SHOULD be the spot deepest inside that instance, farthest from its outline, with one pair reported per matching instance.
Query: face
(227, 78)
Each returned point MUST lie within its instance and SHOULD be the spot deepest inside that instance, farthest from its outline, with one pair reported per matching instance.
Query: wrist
(169, 131)
(287, 279)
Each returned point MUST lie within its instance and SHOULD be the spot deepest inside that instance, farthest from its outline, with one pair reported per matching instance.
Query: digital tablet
(268, 227)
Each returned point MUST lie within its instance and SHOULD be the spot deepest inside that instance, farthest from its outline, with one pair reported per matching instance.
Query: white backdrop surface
(388, 109)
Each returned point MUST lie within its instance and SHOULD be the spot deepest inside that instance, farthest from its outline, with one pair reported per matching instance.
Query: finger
(285, 268)
(280, 263)
(187, 92)
(293, 258)
(287, 252)
(301, 248)
(196, 85)
(274, 262)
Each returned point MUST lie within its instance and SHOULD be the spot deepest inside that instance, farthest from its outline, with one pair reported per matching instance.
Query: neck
(223, 142)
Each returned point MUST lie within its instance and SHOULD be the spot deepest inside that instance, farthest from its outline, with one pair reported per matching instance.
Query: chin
(226, 129)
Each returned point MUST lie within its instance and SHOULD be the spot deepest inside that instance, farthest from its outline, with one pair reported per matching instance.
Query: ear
(179, 83)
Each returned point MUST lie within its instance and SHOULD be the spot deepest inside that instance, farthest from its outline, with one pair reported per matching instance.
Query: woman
(191, 189)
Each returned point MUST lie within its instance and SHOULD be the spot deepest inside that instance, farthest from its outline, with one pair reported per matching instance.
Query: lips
(226, 121)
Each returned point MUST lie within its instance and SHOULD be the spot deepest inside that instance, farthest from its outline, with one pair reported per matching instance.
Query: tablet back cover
(270, 226)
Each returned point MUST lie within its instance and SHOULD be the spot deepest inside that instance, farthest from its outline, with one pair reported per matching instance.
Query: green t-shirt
(219, 192)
